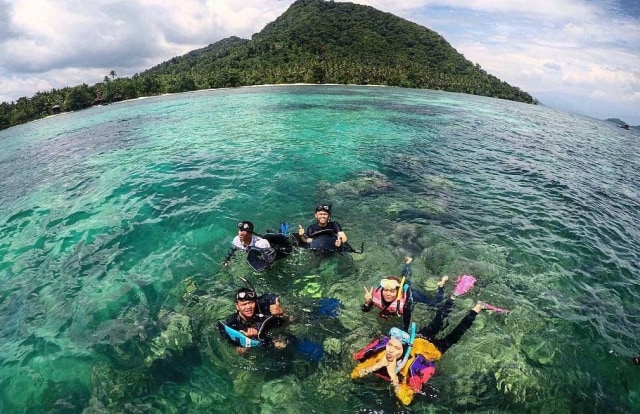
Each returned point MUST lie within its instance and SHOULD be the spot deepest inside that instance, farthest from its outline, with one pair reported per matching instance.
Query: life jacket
(417, 370)
(324, 238)
(397, 306)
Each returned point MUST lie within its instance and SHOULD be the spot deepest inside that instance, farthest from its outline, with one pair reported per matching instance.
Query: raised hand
(276, 309)
(368, 295)
(300, 230)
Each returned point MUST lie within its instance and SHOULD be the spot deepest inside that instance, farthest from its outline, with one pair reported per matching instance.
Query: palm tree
(113, 74)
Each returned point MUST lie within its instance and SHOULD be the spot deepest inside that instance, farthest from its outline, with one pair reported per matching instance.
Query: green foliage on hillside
(314, 41)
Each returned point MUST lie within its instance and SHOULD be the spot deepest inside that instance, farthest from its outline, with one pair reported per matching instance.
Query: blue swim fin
(312, 350)
(284, 228)
(328, 308)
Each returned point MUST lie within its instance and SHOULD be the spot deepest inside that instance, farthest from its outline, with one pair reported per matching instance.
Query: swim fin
(496, 309)
(465, 283)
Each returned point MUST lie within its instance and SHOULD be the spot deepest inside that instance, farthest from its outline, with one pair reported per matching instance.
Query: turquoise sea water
(115, 220)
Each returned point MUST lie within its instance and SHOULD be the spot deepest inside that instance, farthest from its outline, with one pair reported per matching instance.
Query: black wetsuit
(235, 321)
(436, 325)
(331, 229)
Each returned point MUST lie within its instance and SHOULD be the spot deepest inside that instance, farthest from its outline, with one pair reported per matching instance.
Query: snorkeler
(420, 350)
(254, 317)
(393, 351)
(325, 234)
(262, 251)
(395, 296)
(245, 240)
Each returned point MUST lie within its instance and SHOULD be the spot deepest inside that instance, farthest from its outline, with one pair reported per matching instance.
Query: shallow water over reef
(114, 221)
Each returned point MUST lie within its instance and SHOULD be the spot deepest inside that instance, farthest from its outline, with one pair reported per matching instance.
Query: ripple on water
(114, 216)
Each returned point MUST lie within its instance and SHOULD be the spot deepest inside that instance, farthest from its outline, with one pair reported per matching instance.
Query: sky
(579, 56)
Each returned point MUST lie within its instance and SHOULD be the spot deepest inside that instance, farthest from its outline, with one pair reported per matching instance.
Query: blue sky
(580, 56)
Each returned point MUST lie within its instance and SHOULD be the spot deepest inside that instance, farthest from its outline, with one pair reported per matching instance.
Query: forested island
(622, 124)
(314, 41)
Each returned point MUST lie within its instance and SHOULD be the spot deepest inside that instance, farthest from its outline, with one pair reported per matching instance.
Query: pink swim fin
(464, 284)
(490, 307)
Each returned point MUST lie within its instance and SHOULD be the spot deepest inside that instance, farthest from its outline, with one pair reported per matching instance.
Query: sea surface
(114, 222)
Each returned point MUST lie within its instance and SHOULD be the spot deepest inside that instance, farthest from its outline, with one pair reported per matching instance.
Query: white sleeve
(262, 243)
(237, 243)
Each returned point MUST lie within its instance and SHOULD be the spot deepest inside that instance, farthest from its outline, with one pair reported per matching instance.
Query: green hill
(314, 41)
(317, 41)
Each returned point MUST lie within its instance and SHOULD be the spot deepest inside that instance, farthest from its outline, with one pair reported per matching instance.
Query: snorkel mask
(390, 282)
(246, 294)
(324, 207)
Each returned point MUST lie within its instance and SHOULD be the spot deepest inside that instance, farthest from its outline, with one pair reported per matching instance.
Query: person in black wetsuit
(254, 317)
(323, 231)
(430, 331)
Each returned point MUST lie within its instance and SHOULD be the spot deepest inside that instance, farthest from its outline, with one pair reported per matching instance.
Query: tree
(313, 41)
(78, 97)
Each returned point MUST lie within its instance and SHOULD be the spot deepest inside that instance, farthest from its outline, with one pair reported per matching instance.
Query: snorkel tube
(406, 272)
(399, 296)
(248, 284)
(412, 337)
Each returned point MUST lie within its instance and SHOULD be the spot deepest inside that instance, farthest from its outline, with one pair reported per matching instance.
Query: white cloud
(76, 32)
(529, 9)
(45, 44)
(574, 48)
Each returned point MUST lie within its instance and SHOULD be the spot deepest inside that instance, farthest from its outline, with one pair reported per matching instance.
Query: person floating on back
(420, 350)
(395, 296)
